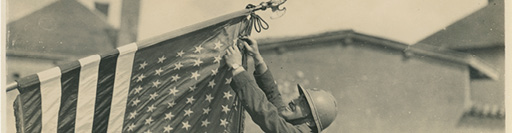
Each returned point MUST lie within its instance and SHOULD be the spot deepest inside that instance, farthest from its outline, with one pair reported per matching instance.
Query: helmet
(322, 105)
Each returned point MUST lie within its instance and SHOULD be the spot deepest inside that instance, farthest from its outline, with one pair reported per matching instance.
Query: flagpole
(11, 86)
(249, 8)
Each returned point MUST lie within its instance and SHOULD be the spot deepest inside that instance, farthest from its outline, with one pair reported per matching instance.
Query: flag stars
(153, 96)
(175, 78)
(192, 88)
(135, 102)
(148, 131)
(171, 104)
(211, 84)
(151, 108)
(177, 66)
(195, 75)
(143, 65)
(209, 98)
(140, 77)
(180, 54)
(205, 123)
(197, 62)
(131, 127)
(168, 128)
(132, 115)
(228, 80)
(225, 109)
(185, 125)
(234, 105)
(173, 91)
(161, 59)
(190, 100)
(217, 59)
(224, 122)
(138, 89)
(156, 83)
(158, 71)
(148, 121)
(215, 71)
(218, 45)
(206, 110)
(227, 95)
(198, 49)
(169, 116)
(188, 112)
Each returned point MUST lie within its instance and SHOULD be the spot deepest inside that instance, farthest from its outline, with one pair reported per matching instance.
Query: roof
(62, 30)
(481, 69)
(483, 28)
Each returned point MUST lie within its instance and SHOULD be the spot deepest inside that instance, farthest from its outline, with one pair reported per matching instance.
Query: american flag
(176, 82)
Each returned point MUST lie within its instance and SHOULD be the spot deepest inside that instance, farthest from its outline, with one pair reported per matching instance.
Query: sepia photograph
(254, 66)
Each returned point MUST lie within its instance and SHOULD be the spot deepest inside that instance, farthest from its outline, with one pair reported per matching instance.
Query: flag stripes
(87, 93)
(28, 106)
(50, 98)
(69, 80)
(106, 75)
(121, 87)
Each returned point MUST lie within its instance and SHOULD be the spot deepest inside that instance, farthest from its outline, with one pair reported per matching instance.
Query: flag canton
(183, 88)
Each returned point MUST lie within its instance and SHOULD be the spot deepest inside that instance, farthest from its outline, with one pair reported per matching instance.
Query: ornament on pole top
(256, 21)
(277, 10)
(274, 5)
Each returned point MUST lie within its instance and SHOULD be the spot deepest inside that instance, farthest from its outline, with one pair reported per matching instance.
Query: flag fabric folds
(176, 82)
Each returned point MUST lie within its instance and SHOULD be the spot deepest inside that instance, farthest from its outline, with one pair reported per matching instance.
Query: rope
(255, 20)
(258, 23)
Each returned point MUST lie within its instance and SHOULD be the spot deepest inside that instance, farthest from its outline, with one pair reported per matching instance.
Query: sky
(406, 21)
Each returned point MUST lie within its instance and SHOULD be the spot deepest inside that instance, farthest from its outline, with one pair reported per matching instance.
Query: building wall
(23, 66)
(377, 90)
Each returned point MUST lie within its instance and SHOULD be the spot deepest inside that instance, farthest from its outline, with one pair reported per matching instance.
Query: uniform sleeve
(262, 112)
(267, 83)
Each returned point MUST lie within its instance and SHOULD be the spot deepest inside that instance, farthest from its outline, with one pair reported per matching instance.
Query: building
(480, 34)
(54, 32)
(61, 31)
(380, 85)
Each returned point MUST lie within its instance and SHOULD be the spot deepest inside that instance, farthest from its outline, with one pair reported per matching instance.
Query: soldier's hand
(251, 45)
(233, 56)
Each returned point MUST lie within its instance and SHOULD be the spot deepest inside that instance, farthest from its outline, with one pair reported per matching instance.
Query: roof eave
(348, 36)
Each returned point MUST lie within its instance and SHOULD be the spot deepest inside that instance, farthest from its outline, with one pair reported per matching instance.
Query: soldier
(313, 111)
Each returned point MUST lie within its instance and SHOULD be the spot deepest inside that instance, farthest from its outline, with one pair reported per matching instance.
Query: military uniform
(263, 104)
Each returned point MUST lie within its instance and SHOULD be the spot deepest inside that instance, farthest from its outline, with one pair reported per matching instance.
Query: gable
(483, 28)
(64, 28)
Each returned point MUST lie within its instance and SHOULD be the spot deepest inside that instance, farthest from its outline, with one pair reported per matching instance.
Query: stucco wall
(377, 90)
(25, 67)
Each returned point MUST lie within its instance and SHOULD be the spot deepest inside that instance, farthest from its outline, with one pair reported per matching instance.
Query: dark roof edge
(271, 43)
(349, 35)
(38, 55)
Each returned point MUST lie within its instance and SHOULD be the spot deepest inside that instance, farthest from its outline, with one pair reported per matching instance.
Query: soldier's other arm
(262, 112)
(266, 82)
(262, 75)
